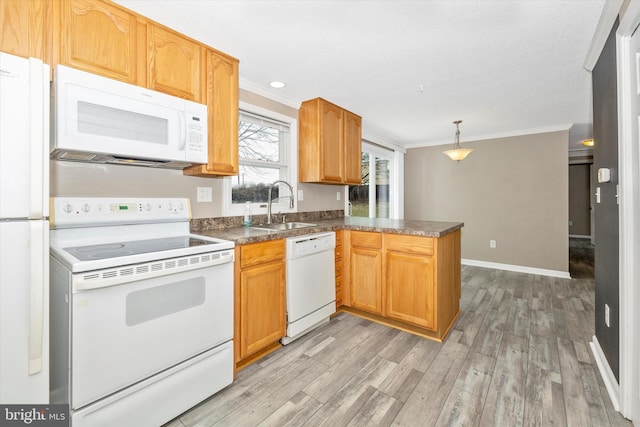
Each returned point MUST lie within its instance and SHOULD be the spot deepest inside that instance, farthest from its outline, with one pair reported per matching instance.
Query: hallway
(581, 259)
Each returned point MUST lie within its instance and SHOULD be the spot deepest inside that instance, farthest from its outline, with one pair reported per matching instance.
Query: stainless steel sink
(284, 226)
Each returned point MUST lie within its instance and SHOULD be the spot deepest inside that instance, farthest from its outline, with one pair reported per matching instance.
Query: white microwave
(100, 120)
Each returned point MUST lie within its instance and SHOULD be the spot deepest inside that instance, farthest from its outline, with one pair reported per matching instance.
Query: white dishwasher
(311, 283)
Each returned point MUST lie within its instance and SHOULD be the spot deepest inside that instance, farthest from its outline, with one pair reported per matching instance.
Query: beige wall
(512, 190)
(84, 179)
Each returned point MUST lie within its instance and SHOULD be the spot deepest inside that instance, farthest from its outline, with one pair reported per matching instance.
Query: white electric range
(141, 310)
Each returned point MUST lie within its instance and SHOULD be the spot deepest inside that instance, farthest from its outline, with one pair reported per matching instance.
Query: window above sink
(268, 152)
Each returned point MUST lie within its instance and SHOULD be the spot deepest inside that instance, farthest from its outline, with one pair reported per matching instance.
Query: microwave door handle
(183, 131)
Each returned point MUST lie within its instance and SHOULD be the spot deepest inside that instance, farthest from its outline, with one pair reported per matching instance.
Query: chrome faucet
(270, 200)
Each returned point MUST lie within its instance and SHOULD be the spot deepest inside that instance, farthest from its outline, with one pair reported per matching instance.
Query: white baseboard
(517, 268)
(606, 373)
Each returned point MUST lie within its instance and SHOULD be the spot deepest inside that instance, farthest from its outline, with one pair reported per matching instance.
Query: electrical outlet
(205, 194)
(300, 195)
(606, 316)
(492, 244)
(337, 195)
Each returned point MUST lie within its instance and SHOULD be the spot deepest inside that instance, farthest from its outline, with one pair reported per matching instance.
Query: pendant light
(588, 142)
(458, 153)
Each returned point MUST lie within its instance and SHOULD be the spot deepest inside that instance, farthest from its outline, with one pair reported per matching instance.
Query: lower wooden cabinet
(365, 271)
(412, 281)
(260, 305)
(410, 294)
(339, 265)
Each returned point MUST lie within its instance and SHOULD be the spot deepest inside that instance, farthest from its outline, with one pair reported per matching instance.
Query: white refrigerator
(24, 230)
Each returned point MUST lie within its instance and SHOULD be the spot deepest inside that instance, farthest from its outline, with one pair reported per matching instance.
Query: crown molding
(375, 135)
(608, 16)
(629, 20)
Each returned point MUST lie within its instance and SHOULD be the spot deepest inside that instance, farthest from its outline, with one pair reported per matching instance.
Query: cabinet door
(339, 267)
(332, 143)
(97, 37)
(262, 305)
(222, 103)
(366, 279)
(352, 148)
(175, 64)
(22, 27)
(409, 289)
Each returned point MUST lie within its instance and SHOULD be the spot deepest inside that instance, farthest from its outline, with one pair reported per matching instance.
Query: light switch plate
(205, 194)
(604, 175)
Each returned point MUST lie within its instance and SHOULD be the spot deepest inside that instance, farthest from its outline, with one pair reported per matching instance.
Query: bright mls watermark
(34, 415)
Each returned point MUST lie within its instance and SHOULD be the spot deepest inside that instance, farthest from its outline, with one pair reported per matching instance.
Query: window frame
(289, 159)
(394, 157)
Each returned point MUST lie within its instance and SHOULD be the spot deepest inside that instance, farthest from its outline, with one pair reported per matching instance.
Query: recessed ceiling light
(277, 85)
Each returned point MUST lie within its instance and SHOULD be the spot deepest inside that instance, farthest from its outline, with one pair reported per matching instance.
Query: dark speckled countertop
(244, 235)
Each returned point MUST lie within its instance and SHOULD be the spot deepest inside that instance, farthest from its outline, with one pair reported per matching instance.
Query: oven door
(125, 333)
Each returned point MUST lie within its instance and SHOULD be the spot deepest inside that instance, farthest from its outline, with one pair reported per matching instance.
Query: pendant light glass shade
(458, 153)
(588, 142)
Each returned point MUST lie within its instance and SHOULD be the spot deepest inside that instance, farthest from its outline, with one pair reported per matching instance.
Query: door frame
(629, 200)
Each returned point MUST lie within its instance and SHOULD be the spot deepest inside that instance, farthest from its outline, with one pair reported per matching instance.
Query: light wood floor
(519, 356)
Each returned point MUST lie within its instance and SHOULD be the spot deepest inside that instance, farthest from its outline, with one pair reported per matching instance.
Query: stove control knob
(147, 207)
(181, 206)
(170, 206)
(67, 207)
(86, 207)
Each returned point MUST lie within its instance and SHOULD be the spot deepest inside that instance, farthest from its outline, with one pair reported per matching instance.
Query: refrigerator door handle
(37, 284)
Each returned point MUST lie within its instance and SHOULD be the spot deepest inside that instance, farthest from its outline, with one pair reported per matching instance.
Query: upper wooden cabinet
(176, 65)
(101, 38)
(222, 100)
(23, 26)
(104, 38)
(352, 148)
(329, 143)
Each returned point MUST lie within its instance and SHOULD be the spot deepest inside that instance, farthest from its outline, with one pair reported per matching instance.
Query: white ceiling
(410, 68)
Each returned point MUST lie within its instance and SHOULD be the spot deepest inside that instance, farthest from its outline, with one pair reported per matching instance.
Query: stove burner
(108, 254)
(105, 247)
(122, 249)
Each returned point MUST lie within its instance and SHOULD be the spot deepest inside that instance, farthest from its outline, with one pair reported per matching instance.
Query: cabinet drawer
(409, 244)
(260, 253)
(339, 291)
(366, 239)
(338, 269)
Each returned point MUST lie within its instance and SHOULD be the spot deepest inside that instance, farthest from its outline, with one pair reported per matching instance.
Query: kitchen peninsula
(405, 274)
